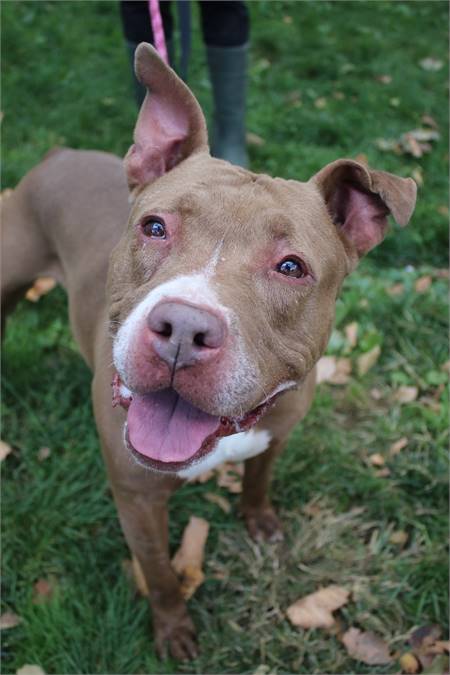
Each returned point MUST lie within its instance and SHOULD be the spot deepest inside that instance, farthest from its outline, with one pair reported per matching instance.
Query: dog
(205, 292)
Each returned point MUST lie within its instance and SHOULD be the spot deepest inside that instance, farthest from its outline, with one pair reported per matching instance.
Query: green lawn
(315, 95)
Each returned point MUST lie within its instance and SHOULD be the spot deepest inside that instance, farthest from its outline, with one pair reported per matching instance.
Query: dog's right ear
(170, 126)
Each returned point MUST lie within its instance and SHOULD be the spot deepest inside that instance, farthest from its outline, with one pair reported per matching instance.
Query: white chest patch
(233, 448)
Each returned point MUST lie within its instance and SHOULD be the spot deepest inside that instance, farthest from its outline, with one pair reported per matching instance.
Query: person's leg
(226, 29)
(137, 28)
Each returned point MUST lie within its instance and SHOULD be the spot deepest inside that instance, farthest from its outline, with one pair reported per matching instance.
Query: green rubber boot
(228, 73)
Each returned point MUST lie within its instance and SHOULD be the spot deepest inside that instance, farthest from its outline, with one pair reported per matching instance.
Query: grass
(66, 82)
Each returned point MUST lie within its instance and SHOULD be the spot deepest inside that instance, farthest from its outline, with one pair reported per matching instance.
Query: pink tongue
(165, 427)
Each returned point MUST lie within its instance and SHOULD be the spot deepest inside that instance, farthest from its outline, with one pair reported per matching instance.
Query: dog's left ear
(359, 201)
(170, 126)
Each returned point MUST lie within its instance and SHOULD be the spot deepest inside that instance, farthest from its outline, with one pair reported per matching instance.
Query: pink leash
(158, 30)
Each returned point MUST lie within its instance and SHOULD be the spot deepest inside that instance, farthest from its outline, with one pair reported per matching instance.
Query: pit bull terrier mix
(220, 295)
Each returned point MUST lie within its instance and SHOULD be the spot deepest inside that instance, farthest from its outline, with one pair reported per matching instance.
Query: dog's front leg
(144, 520)
(260, 518)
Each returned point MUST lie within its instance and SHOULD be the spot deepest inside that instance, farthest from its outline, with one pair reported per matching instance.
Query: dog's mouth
(167, 433)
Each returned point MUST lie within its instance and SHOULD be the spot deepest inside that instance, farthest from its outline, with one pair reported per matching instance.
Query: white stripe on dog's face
(235, 448)
(193, 288)
(242, 374)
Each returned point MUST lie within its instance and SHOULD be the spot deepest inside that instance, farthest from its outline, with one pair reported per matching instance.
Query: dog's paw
(263, 524)
(176, 637)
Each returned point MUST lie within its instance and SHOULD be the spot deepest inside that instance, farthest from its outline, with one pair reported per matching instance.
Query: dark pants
(224, 24)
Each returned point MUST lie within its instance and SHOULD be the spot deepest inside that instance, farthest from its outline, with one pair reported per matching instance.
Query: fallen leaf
(5, 450)
(376, 459)
(395, 101)
(30, 669)
(399, 537)
(43, 454)
(395, 448)
(443, 210)
(254, 139)
(383, 473)
(315, 610)
(366, 647)
(417, 175)
(343, 371)
(325, 368)
(405, 394)
(442, 272)
(376, 394)
(409, 663)
(339, 95)
(396, 289)
(431, 64)
(423, 283)
(388, 145)
(430, 121)
(287, 19)
(41, 287)
(320, 103)
(188, 560)
(43, 589)
(9, 620)
(424, 641)
(366, 361)
(362, 159)
(446, 366)
(229, 476)
(430, 402)
(384, 79)
(351, 333)
(220, 501)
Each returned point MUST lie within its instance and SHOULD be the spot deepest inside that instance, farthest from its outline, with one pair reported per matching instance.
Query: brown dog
(220, 298)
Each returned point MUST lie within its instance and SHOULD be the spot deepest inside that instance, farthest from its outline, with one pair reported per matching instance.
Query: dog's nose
(185, 334)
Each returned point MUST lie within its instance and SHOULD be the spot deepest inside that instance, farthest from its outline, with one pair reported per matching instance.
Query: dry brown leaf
(220, 501)
(315, 610)
(30, 669)
(441, 273)
(43, 454)
(41, 287)
(254, 139)
(376, 394)
(362, 159)
(430, 121)
(351, 333)
(417, 175)
(383, 473)
(423, 283)
(399, 537)
(229, 476)
(376, 459)
(396, 447)
(339, 96)
(9, 620)
(443, 210)
(188, 560)
(405, 394)
(409, 663)
(43, 589)
(431, 64)
(425, 644)
(446, 366)
(343, 371)
(325, 368)
(287, 19)
(366, 361)
(384, 79)
(396, 289)
(366, 647)
(320, 103)
(5, 450)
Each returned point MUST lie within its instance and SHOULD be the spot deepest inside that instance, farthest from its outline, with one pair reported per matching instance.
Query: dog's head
(222, 289)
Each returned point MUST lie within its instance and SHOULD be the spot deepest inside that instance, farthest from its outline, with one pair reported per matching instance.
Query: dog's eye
(292, 267)
(153, 227)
